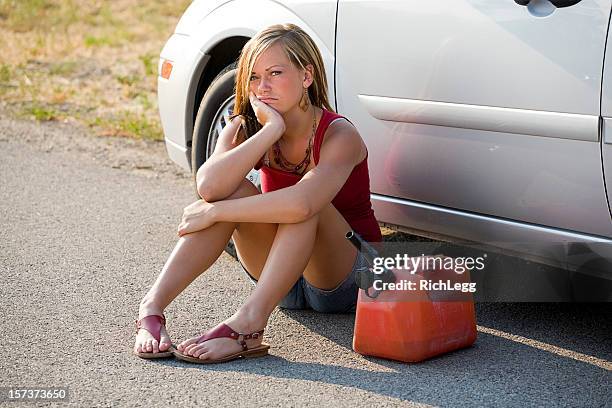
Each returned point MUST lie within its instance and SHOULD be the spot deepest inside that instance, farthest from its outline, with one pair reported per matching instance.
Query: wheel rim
(221, 119)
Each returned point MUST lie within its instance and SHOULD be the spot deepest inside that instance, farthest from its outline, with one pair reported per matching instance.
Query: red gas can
(434, 317)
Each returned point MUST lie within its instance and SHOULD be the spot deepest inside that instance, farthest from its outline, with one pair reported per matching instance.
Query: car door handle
(556, 3)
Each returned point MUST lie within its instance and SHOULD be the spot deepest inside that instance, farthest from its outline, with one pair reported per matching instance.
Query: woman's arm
(225, 169)
(340, 153)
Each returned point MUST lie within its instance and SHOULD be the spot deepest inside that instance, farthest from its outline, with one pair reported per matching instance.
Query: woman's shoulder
(338, 124)
(341, 133)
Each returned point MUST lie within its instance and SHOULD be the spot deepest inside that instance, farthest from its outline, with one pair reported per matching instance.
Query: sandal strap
(152, 324)
(223, 330)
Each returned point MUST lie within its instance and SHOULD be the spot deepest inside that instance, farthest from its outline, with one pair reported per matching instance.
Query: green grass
(149, 61)
(127, 124)
(128, 80)
(63, 68)
(101, 17)
(145, 101)
(41, 15)
(40, 112)
(96, 121)
(46, 41)
(139, 126)
(93, 41)
(5, 73)
(116, 38)
(21, 15)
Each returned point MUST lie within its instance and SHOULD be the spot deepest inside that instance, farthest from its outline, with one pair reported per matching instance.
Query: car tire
(213, 114)
(206, 128)
(220, 90)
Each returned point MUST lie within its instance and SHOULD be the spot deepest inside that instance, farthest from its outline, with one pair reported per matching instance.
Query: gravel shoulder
(141, 156)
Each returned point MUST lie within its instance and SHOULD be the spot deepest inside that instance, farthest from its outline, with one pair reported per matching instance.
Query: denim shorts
(342, 299)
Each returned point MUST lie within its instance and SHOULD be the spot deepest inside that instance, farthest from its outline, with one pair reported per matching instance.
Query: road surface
(87, 223)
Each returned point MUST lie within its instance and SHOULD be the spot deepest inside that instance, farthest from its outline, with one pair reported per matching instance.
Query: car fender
(195, 13)
(214, 28)
(209, 28)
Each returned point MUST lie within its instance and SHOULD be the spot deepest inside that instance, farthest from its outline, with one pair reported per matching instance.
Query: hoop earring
(305, 101)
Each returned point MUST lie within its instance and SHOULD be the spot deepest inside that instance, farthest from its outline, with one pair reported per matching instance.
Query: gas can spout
(365, 279)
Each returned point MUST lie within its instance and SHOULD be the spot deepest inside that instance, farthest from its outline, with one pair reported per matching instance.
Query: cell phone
(251, 125)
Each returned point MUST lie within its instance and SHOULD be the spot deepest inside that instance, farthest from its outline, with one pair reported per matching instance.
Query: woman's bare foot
(241, 322)
(145, 342)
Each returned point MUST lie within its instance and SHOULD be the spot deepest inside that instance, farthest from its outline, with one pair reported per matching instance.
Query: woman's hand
(266, 115)
(196, 216)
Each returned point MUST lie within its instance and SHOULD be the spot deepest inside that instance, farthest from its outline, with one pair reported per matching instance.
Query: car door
(483, 106)
(606, 113)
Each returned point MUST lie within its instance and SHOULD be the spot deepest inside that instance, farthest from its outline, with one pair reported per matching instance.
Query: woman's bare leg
(332, 257)
(301, 248)
(193, 254)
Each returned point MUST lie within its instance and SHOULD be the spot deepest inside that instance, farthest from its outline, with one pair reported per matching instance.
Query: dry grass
(93, 62)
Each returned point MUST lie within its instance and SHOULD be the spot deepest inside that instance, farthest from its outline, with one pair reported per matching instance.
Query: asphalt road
(86, 225)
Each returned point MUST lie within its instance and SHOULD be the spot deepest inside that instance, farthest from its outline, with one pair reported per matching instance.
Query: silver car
(486, 121)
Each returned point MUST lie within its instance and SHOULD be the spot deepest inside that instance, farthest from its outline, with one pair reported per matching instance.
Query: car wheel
(213, 115)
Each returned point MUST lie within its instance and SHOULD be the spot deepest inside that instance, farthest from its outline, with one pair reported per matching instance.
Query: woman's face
(277, 82)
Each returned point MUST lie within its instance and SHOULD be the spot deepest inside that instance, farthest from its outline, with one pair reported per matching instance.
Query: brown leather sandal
(224, 330)
(153, 324)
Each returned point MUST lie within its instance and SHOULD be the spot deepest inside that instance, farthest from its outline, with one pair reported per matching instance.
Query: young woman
(290, 239)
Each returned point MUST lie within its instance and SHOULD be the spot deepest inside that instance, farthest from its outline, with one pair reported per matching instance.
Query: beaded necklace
(301, 167)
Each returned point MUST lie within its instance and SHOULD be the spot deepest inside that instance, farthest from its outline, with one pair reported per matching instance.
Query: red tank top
(353, 199)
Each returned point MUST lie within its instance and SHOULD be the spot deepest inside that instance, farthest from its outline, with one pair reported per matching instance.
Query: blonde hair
(301, 51)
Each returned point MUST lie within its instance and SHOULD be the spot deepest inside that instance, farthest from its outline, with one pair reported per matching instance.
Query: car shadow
(558, 353)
